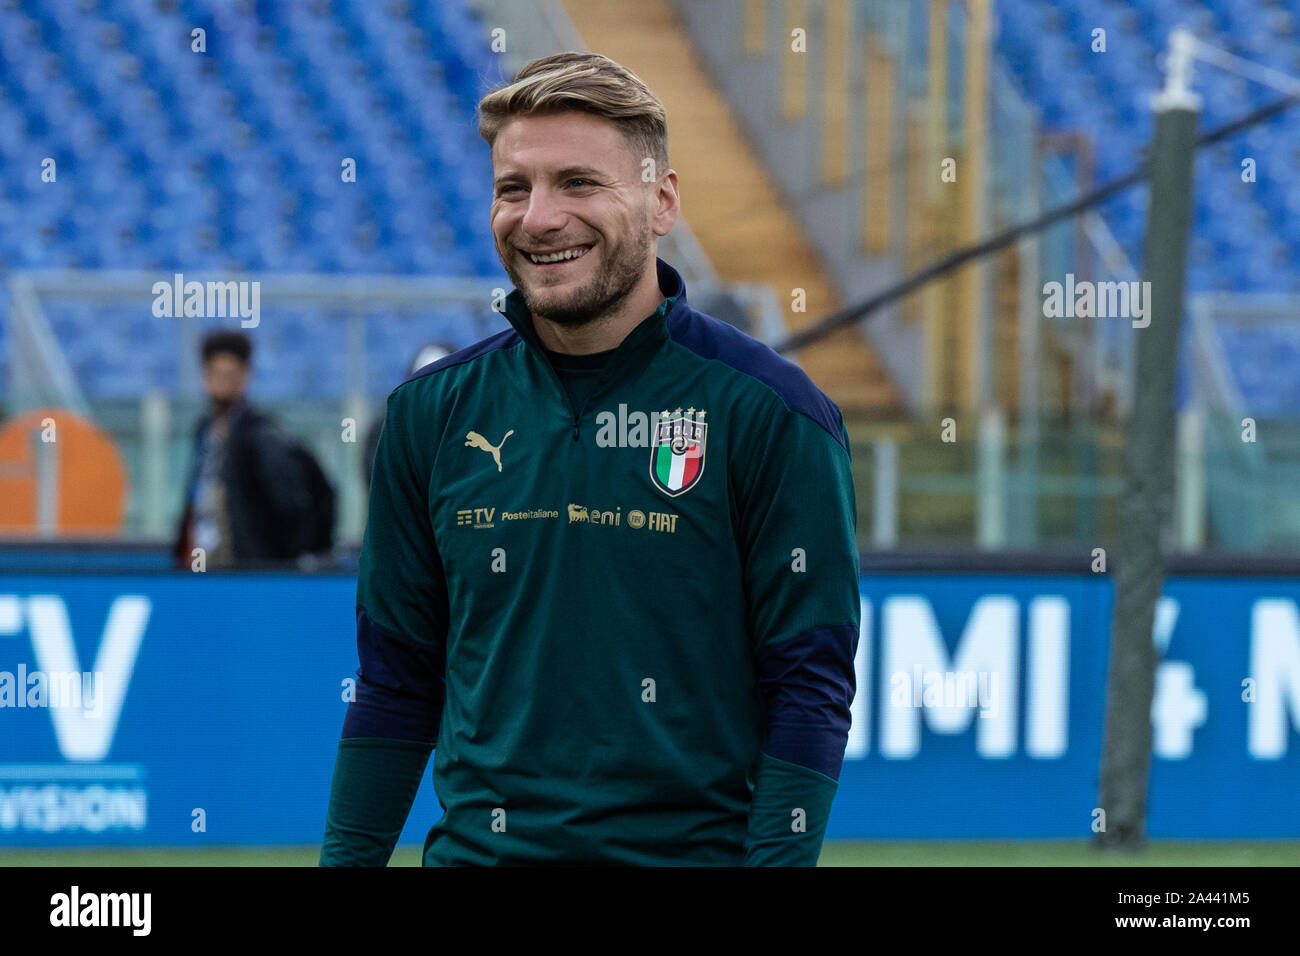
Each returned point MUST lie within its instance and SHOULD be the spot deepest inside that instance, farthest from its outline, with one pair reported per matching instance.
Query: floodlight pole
(1149, 459)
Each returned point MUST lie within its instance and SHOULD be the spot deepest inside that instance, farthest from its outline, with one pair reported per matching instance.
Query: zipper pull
(575, 427)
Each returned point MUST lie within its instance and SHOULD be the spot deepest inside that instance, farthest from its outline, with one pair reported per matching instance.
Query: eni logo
(475, 440)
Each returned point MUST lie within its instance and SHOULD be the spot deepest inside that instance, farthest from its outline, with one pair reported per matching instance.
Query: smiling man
(629, 652)
(574, 238)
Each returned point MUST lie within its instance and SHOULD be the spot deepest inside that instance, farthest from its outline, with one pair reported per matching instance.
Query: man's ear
(668, 203)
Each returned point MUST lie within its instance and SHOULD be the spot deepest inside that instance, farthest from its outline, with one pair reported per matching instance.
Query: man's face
(224, 376)
(569, 182)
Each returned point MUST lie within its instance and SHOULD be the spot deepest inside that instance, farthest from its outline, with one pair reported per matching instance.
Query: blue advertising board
(189, 710)
(981, 703)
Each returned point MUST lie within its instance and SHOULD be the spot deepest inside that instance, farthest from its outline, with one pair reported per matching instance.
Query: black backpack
(317, 534)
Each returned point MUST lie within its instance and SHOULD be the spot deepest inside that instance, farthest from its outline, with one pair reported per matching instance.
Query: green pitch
(834, 853)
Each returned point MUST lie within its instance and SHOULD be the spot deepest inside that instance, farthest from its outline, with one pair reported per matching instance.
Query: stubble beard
(620, 271)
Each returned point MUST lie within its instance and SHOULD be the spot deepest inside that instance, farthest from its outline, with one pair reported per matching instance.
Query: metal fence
(153, 428)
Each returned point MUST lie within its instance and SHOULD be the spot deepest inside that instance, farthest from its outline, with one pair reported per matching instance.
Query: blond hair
(588, 83)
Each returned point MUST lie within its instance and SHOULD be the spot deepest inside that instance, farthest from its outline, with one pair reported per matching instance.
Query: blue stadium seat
(171, 159)
(1245, 236)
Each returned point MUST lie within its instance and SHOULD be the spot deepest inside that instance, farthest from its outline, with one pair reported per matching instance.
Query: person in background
(427, 355)
(246, 501)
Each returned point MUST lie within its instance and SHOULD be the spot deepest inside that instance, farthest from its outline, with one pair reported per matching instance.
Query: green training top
(628, 626)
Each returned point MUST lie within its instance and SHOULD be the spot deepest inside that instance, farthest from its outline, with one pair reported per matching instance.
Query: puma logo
(475, 440)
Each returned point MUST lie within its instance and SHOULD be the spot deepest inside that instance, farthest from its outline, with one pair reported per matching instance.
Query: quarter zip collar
(633, 352)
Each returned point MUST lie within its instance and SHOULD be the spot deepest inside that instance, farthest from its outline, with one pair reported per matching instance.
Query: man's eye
(509, 188)
(585, 182)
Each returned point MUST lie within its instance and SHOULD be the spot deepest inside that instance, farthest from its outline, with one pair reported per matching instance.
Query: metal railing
(913, 488)
(933, 482)
(153, 430)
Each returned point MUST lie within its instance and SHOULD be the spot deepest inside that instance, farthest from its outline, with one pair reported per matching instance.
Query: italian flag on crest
(677, 454)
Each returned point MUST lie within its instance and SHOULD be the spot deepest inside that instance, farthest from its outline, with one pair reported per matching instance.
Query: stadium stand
(229, 159)
(731, 199)
(1245, 235)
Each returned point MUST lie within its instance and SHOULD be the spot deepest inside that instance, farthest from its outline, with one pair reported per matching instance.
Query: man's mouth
(556, 256)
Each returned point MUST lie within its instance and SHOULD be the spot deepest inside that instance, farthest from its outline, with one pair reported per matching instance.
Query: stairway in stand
(728, 197)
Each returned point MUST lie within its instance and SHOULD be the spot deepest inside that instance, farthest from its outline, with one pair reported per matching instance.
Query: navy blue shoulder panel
(501, 340)
(712, 338)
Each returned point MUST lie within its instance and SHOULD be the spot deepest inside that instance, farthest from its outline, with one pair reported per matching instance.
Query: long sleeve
(392, 723)
(796, 520)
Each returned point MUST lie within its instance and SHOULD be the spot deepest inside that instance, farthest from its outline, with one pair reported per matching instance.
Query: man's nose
(543, 213)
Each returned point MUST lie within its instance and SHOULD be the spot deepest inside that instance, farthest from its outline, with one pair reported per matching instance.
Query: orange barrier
(90, 474)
